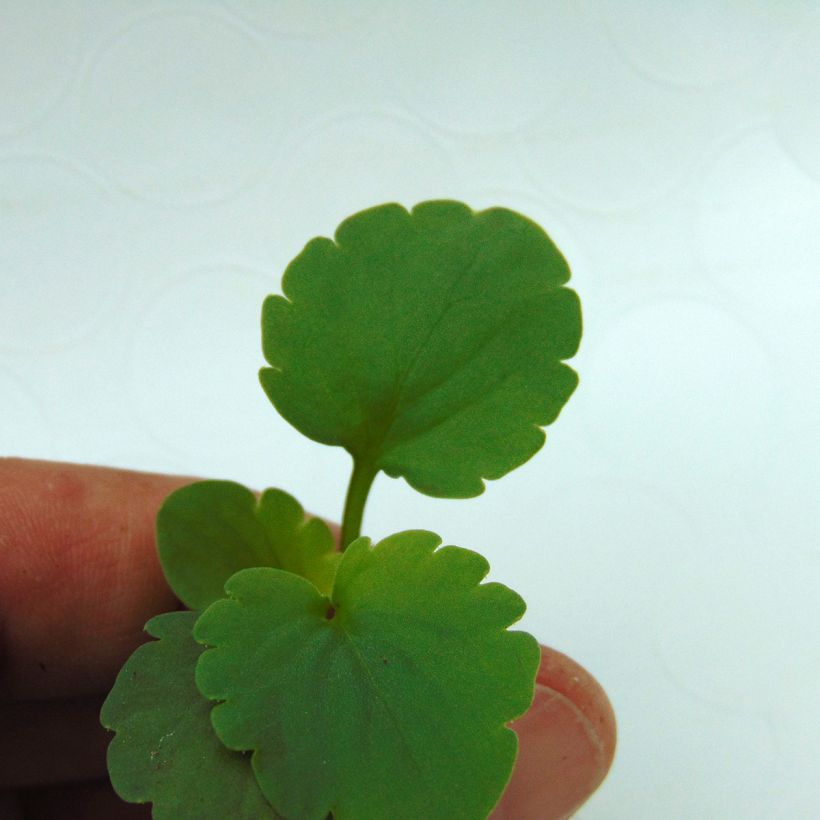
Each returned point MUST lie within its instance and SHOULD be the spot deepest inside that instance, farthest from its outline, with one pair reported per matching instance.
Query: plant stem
(360, 483)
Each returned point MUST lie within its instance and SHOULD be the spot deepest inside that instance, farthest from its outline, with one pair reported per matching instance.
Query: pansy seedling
(372, 681)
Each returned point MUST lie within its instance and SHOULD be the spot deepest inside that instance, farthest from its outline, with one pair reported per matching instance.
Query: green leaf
(428, 344)
(388, 700)
(209, 530)
(165, 750)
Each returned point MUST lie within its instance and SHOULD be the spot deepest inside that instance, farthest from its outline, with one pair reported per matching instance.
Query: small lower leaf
(388, 700)
(165, 751)
(209, 530)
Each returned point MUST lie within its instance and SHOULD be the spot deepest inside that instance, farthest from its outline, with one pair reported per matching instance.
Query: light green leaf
(428, 344)
(209, 530)
(165, 751)
(387, 701)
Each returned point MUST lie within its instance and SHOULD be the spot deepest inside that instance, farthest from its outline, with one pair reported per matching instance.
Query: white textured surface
(161, 162)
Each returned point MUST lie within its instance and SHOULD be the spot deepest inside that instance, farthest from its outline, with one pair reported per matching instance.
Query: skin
(79, 577)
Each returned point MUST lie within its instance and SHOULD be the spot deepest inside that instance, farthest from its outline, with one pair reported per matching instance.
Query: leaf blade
(407, 317)
(409, 685)
(209, 530)
(165, 750)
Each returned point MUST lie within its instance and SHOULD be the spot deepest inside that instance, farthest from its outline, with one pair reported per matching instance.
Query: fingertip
(93, 800)
(567, 677)
(566, 744)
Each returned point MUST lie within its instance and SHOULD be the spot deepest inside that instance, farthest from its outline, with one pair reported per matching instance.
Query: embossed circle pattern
(722, 638)
(39, 51)
(304, 17)
(182, 109)
(24, 429)
(63, 252)
(478, 68)
(687, 391)
(626, 536)
(351, 163)
(759, 226)
(786, 513)
(670, 740)
(588, 150)
(697, 43)
(796, 96)
(196, 355)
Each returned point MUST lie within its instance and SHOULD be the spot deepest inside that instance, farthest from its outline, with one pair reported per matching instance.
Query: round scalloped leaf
(165, 751)
(388, 700)
(428, 344)
(209, 530)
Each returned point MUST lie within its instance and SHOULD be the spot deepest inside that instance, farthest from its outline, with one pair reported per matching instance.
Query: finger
(10, 808)
(51, 741)
(567, 741)
(79, 574)
(94, 800)
(566, 744)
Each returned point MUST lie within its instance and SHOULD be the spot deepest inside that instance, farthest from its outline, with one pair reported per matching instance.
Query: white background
(161, 162)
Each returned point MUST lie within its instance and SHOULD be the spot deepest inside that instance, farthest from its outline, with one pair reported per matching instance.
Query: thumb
(566, 744)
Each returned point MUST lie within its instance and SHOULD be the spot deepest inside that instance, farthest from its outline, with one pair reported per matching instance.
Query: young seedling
(372, 681)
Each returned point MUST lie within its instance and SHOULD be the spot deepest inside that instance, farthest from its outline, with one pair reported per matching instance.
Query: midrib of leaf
(398, 389)
(383, 698)
(465, 405)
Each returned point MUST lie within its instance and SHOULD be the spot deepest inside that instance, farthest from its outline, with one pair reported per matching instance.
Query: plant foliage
(373, 682)
(381, 709)
(209, 530)
(165, 750)
(428, 343)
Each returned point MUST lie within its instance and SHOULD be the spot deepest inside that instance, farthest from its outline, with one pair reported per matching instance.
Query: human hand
(79, 577)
